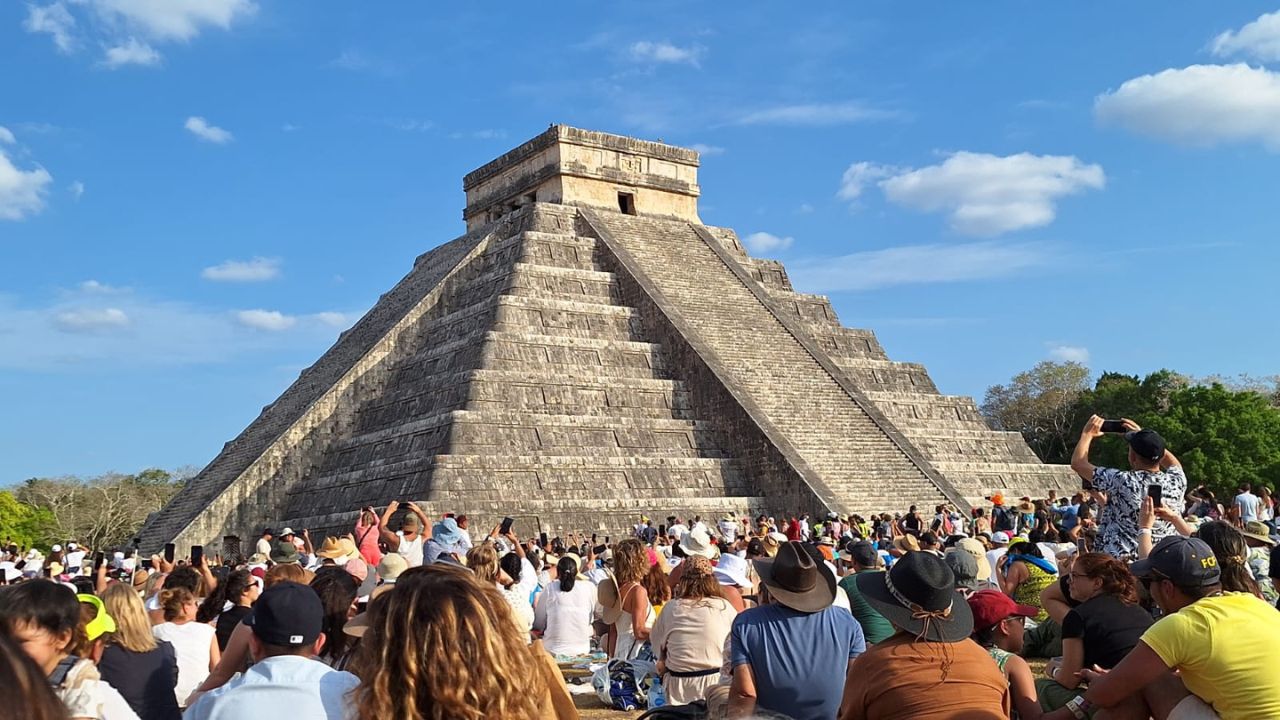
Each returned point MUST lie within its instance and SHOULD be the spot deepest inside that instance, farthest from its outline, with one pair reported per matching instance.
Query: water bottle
(657, 695)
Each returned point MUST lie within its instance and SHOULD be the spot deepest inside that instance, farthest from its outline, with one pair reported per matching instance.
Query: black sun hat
(918, 595)
(796, 580)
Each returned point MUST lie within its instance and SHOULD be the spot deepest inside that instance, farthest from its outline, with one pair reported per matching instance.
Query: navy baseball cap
(861, 552)
(1147, 444)
(1187, 562)
(287, 613)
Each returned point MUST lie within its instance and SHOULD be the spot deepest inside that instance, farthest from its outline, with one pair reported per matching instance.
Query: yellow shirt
(1224, 647)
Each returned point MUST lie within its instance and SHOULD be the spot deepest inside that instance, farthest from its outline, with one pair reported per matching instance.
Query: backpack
(624, 684)
(1002, 519)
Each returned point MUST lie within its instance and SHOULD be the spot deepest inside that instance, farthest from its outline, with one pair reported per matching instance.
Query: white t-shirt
(73, 561)
(263, 546)
(411, 550)
(994, 557)
(191, 643)
(568, 618)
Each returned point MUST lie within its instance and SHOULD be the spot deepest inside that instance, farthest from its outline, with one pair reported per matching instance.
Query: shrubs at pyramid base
(589, 352)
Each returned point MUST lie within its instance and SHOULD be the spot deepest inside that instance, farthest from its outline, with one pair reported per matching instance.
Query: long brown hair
(1114, 574)
(1232, 551)
(697, 581)
(655, 583)
(630, 561)
(133, 627)
(444, 645)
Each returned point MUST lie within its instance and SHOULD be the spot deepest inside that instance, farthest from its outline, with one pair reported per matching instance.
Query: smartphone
(197, 555)
(599, 549)
(542, 539)
(1114, 426)
(506, 526)
(1156, 493)
(146, 564)
(168, 552)
(98, 559)
(1080, 549)
(593, 538)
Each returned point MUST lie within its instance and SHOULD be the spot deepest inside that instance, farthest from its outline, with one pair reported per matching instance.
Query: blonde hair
(133, 628)
(483, 561)
(630, 561)
(442, 612)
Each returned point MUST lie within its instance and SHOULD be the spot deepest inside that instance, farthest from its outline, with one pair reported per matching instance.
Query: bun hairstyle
(173, 601)
(1114, 574)
(567, 570)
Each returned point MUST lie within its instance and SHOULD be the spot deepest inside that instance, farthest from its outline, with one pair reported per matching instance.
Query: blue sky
(196, 196)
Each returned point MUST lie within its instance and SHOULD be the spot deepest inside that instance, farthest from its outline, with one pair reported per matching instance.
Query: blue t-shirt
(798, 659)
(1070, 516)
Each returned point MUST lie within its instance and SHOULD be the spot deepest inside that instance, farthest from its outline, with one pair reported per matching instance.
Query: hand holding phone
(197, 555)
(98, 559)
(1114, 426)
(1156, 493)
(505, 527)
(169, 549)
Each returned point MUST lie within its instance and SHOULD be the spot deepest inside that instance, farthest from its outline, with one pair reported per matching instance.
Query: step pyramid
(589, 352)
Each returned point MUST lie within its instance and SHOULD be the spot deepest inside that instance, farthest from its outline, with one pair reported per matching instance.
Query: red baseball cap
(991, 606)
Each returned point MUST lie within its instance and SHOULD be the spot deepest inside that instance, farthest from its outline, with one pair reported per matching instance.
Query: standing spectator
(790, 654)
(1266, 505)
(864, 558)
(568, 602)
(1221, 645)
(444, 645)
(367, 536)
(143, 669)
(285, 681)
(688, 638)
(998, 624)
(929, 669)
(1151, 464)
(195, 644)
(264, 545)
(228, 604)
(408, 539)
(336, 589)
(1245, 506)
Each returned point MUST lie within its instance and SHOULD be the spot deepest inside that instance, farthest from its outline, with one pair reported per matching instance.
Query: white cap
(71, 546)
(286, 531)
(56, 548)
(1000, 537)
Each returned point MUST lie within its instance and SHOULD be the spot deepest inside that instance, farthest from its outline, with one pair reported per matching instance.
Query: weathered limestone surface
(589, 352)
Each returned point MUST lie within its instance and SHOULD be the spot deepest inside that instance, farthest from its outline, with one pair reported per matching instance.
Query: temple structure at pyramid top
(587, 352)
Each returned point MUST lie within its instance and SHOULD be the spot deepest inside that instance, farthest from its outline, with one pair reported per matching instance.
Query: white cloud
(270, 320)
(1200, 105)
(410, 125)
(664, 52)
(804, 209)
(982, 194)
(22, 192)
(6, 136)
(707, 150)
(77, 190)
(131, 52)
(174, 19)
(258, 269)
(55, 20)
(1069, 353)
(289, 127)
(859, 175)
(333, 319)
(93, 287)
(91, 320)
(817, 114)
(351, 60)
(917, 265)
(763, 242)
(209, 133)
(1259, 39)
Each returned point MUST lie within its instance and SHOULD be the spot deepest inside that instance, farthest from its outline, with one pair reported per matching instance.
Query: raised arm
(1080, 458)
(391, 539)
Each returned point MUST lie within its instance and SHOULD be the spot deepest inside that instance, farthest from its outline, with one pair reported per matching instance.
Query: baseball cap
(286, 531)
(287, 613)
(1000, 537)
(1146, 443)
(1186, 561)
(991, 606)
(861, 553)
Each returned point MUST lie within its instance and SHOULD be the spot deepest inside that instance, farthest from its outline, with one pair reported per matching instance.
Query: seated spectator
(1024, 574)
(998, 624)
(284, 682)
(28, 695)
(974, 547)
(337, 590)
(634, 620)
(1228, 545)
(688, 638)
(1221, 645)
(483, 561)
(445, 645)
(1257, 536)
(789, 655)
(143, 669)
(930, 669)
(195, 644)
(568, 603)
(862, 555)
(733, 574)
(965, 570)
(1100, 630)
(229, 604)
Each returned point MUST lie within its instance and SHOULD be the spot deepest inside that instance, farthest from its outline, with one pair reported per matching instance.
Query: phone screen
(1114, 426)
(168, 552)
(598, 549)
(98, 559)
(1156, 493)
(542, 538)
(197, 555)
(506, 526)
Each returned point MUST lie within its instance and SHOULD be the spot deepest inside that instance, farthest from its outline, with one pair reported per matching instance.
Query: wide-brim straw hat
(918, 595)
(1258, 531)
(796, 580)
(331, 549)
(698, 542)
(607, 596)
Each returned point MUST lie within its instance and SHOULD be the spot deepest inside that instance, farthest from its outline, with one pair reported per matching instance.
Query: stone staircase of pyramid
(531, 391)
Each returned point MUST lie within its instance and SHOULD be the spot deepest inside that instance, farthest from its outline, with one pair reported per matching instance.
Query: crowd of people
(1136, 597)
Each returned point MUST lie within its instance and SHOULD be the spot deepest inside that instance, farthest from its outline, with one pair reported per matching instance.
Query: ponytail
(567, 569)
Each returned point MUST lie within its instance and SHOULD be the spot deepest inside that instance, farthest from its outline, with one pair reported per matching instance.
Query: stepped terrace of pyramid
(589, 351)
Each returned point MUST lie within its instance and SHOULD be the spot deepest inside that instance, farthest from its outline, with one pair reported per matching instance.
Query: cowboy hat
(907, 543)
(331, 549)
(1258, 531)
(918, 594)
(698, 542)
(796, 580)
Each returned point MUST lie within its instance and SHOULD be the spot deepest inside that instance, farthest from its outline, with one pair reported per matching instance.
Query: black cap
(1147, 444)
(268, 531)
(1187, 562)
(287, 613)
(862, 553)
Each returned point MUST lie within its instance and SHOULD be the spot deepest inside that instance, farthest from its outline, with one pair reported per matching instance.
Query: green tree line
(102, 512)
(1225, 431)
